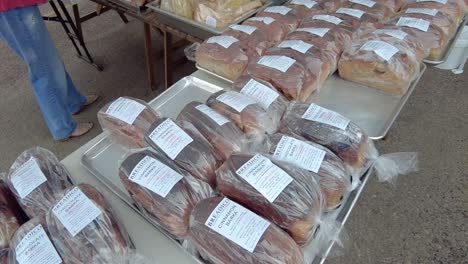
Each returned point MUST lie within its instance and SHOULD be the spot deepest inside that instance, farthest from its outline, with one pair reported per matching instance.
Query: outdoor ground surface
(424, 219)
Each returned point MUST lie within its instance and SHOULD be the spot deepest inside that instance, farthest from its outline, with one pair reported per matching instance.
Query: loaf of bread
(252, 38)
(225, 56)
(331, 130)
(327, 168)
(288, 18)
(429, 34)
(127, 120)
(165, 193)
(245, 112)
(394, 5)
(453, 8)
(307, 8)
(381, 11)
(222, 133)
(36, 178)
(282, 193)
(82, 226)
(273, 28)
(380, 64)
(441, 20)
(182, 142)
(259, 241)
(221, 14)
(11, 216)
(331, 5)
(359, 19)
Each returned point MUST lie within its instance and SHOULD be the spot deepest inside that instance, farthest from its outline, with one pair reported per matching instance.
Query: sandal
(81, 129)
(90, 99)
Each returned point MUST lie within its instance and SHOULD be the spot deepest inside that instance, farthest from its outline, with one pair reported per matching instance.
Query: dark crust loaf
(275, 246)
(198, 157)
(296, 209)
(173, 211)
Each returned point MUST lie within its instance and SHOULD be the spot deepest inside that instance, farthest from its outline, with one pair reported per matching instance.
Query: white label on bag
(412, 22)
(315, 31)
(437, 1)
(300, 153)
(27, 177)
(36, 247)
(350, 12)
(125, 109)
(307, 3)
(278, 10)
(75, 211)
(265, 20)
(327, 18)
(223, 41)
(261, 93)
(381, 48)
(237, 224)
(212, 114)
(325, 116)
(244, 28)
(155, 176)
(393, 33)
(368, 3)
(170, 138)
(280, 63)
(235, 100)
(425, 11)
(267, 178)
(297, 45)
(210, 21)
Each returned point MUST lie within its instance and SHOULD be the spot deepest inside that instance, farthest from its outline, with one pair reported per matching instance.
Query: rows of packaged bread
(246, 177)
(295, 47)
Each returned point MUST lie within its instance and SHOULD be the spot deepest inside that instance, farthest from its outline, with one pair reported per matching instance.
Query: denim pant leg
(74, 99)
(24, 30)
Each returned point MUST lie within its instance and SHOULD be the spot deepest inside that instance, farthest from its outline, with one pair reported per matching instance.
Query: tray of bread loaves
(204, 18)
(117, 162)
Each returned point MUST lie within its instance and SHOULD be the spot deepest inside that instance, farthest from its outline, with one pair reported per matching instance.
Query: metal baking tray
(373, 110)
(196, 29)
(450, 44)
(102, 159)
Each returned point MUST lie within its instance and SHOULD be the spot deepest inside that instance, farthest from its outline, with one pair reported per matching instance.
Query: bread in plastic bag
(182, 8)
(252, 38)
(36, 178)
(306, 8)
(432, 36)
(220, 14)
(182, 142)
(281, 192)
(84, 204)
(222, 133)
(286, 74)
(225, 56)
(331, 5)
(327, 168)
(359, 19)
(289, 19)
(127, 120)
(454, 8)
(32, 244)
(10, 215)
(380, 64)
(245, 112)
(347, 140)
(439, 19)
(4, 252)
(165, 193)
(378, 10)
(270, 244)
(394, 5)
(273, 28)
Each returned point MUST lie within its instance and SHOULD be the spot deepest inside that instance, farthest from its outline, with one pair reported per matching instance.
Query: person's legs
(24, 30)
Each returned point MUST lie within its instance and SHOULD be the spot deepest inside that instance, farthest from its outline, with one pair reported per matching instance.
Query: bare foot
(81, 129)
(90, 99)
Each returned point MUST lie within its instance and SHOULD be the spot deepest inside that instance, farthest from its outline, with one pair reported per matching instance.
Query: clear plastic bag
(251, 37)
(103, 233)
(281, 192)
(446, 23)
(10, 215)
(306, 8)
(331, 5)
(454, 8)
(4, 255)
(245, 112)
(363, 21)
(225, 56)
(127, 120)
(221, 132)
(394, 5)
(221, 14)
(169, 209)
(273, 28)
(182, 142)
(274, 246)
(182, 8)
(379, 64)
(35, 178)
(288, 18)
(321, 163)
(380, 11)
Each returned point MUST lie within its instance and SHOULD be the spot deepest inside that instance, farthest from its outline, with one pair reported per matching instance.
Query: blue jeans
(25, 32)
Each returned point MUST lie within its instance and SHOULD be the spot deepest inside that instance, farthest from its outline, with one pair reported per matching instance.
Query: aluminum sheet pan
(196, 29)
(450, 44)
(102, 159)
(373, 110)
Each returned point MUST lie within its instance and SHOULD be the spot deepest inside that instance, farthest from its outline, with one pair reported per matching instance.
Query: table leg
(167, 59)
(149, 56)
